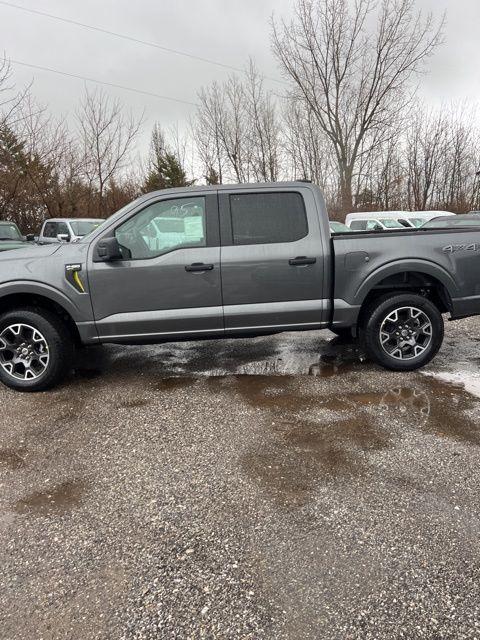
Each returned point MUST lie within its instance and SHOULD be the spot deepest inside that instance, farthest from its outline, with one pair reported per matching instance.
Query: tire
(402, 332)
(50, 347)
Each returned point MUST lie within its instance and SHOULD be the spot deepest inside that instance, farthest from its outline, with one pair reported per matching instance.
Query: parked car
(383, 220)
(246, 260)
(57, 230)
(451, 222)
(11, 237)
(339, 227)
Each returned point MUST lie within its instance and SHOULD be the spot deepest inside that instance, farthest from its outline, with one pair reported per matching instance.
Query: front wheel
(35, 349)
(402, 332)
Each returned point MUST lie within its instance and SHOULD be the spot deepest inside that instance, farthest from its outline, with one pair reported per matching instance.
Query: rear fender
(404, 266)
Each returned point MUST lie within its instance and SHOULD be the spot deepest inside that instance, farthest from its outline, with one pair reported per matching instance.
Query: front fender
(45, 291)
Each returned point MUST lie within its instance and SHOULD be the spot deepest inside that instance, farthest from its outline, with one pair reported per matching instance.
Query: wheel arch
(44, 298)
(428, 279)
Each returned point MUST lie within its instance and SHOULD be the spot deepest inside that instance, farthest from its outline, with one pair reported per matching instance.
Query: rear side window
(358, 225)
(390, 223)
(268, 218)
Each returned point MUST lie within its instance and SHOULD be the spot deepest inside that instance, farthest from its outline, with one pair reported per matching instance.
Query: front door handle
(199, 266)
(299, 260)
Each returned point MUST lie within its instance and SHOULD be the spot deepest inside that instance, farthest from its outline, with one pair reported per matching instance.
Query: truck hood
(25, 251)
(8, 245)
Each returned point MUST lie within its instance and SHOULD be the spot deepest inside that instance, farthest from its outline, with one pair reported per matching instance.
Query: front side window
(266, 218)
(162, 227)
(50, 230)
(62, 229)
(373, 225)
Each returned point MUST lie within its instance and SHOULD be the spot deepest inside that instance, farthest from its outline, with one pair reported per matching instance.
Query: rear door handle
(199, 266)
(299, 260)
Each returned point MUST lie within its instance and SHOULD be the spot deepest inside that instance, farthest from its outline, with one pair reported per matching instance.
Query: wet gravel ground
(276, 488)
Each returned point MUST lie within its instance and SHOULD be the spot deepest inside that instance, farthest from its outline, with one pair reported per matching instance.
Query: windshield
(389, 223)
(10, 232)
(84, 227)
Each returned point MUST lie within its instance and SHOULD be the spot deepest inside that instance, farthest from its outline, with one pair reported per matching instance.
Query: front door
(168, 284)
(272, 261)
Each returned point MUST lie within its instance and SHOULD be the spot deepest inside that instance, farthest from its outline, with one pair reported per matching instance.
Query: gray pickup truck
(210, 262)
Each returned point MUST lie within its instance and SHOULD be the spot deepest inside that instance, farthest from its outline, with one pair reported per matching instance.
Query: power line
(107, 84)
(127, 37)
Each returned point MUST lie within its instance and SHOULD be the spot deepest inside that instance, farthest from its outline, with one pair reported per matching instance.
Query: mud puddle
(323, 435)
(313, 354)
(56, 500)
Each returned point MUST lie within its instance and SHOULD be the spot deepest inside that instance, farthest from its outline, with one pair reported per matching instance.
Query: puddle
(57, 500)
(309, 453)
(284, 354)
(449, 412)
(317, 437)
(12, 458)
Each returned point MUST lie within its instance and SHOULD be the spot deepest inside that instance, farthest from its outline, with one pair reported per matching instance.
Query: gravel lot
(276, 488)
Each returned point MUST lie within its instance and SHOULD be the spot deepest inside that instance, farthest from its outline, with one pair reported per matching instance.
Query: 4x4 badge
(453, 248)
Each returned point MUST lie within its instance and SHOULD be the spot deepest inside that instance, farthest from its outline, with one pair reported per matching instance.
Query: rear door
(272, 260)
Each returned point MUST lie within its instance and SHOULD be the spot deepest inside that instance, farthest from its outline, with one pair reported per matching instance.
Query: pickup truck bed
(444, 261)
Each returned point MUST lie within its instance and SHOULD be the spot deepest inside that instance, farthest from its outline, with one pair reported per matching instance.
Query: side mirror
(30, 237)
(108, 250)
(63, 237)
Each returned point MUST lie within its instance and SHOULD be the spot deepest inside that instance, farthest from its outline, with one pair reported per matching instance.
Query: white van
(385, 220)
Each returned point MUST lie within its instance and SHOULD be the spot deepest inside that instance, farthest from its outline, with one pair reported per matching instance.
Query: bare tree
(206, 130)
(306, 150)
(11, 100)
(263, 128)
(106, 137)
(356, 83)
(426, 149)
(237, 130)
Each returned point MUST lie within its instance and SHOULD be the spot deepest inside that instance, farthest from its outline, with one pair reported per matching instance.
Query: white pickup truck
(57, 230)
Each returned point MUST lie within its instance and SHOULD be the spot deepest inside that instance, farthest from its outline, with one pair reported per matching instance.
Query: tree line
(345, 116)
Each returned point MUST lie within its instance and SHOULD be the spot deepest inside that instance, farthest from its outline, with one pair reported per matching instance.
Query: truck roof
(73, 220)
(248, 186)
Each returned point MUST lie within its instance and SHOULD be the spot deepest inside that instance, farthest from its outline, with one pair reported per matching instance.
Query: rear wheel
(36, 349)
(402, 332)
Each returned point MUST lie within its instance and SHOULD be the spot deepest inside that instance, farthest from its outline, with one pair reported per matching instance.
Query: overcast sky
(224, 30)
